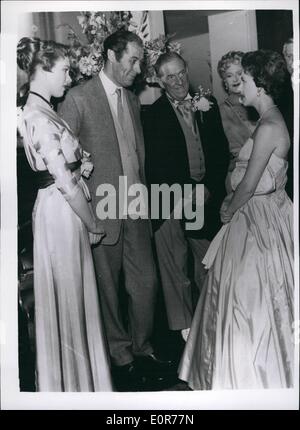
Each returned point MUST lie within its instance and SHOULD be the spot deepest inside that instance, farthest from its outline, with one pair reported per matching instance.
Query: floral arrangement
(87, 59)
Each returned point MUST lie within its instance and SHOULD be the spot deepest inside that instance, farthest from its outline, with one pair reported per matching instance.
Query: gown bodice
(273, 178)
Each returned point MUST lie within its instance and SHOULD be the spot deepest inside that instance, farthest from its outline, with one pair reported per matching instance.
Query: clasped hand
(97, 233)
(226, 215)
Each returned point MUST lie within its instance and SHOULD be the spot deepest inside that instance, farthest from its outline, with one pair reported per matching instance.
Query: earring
(259, 92)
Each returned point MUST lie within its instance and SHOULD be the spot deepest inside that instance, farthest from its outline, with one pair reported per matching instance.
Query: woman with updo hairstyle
(70, 343)
(238, 121)
(242, 333)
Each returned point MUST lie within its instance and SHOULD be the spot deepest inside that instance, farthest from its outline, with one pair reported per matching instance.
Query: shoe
(151, 363)
(185, 333)
(158, 383)
(128, 378)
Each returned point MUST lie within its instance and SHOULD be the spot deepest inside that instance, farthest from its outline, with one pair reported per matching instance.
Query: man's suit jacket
(167, 156)
(286, 106)
(87, 111)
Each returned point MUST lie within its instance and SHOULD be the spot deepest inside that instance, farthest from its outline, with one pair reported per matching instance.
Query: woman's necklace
(267, 110)
(41, 97)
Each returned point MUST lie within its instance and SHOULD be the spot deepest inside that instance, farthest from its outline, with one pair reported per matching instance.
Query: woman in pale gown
(70, 343)
(241, 336)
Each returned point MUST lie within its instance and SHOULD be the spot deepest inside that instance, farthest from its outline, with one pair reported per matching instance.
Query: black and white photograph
(149, 205)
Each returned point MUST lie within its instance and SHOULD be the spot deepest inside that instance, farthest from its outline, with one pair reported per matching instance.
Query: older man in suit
(106, 118)
(183, 147)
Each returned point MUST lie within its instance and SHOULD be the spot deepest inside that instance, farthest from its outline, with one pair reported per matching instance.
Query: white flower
(86, 165)
(99, 20)
(81, 20)
(202, 104)
(201, 100)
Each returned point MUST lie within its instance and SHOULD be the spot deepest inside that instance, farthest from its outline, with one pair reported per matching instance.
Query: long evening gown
(70, 342)
(241, 336)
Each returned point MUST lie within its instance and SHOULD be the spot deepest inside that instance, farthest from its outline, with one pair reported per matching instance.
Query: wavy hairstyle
(231, 57)
(32, 52)
(268, 69)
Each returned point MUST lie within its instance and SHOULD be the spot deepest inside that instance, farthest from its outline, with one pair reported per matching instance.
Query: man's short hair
(288, 42)
(118, 43)
(166, 58)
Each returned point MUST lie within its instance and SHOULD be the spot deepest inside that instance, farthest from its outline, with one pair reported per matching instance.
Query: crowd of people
(238, 326)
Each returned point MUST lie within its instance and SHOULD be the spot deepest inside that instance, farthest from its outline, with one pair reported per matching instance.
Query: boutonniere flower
(201, 102)
(86, 165)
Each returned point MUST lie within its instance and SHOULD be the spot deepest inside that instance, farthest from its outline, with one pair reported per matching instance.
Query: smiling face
(58, 79)
(173, 77)
(233, 78)
(128, 67)
(249, 90)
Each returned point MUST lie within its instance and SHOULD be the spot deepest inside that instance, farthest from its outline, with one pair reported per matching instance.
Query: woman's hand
(95, 238)
(96, 232)
(96, 227)
(225, 215)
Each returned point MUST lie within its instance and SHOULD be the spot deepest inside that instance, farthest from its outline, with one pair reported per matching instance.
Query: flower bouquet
(87, 59)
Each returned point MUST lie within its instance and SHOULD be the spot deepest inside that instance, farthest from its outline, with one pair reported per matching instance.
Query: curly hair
(232, 57)
(32, 52)
(268, 69)
(118, 41)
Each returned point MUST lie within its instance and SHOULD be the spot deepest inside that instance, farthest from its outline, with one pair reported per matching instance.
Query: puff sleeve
(47, 140)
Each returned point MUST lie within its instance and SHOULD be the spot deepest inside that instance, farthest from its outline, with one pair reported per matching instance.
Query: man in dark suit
(183, 147)
(286, 106)
(106, 118)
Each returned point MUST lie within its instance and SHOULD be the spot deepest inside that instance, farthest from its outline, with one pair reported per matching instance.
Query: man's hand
(206, 195)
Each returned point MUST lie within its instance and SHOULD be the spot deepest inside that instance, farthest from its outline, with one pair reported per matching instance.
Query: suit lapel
(103, 104)
(168, 112)
(104, 119)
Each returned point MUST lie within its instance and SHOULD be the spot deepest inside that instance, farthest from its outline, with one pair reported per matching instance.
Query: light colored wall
(61, 32)
(230, 31)
(156, 28)
(196, 51)
(25, 29)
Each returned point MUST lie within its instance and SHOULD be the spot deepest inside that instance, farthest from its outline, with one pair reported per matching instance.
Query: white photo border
(11, 397)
